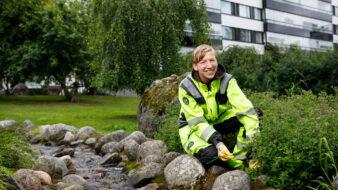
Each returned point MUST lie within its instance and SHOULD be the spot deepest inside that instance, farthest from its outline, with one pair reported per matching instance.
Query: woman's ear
(194, 66)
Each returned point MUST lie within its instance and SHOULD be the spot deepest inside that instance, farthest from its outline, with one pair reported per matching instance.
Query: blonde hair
(200, 52)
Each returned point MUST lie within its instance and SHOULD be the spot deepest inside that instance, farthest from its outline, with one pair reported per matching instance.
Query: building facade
(310, 24)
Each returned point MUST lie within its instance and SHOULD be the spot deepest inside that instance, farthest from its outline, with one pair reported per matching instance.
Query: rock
(184, 172)
(111, 160)
(89, 186)
(55, 167)
(236, 179)
(20, 89)
(145, 174)
(69, 163)
(35, 140)
(61, 185)
(116, 136)
(74, 187)
(155, 147)
(216, 170)
(69, 137)
(56, 133)
(110, 147)
(131, 148)
(335, 183)
(85, 133)
(7, 124)
(170, 156)
(44, 177)
(154, 101)
(64, 151)
(11, 183)
(75, 143)
(27, 126)
(73, 179)
(150, 186)
(26, 178)
(137, 136)
(91, 141)
(152, 158)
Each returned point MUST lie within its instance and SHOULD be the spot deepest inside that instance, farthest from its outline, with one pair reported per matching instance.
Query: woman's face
(207, 67)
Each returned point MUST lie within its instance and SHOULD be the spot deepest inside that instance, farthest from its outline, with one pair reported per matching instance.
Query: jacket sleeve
(243, 108)
(194, 115)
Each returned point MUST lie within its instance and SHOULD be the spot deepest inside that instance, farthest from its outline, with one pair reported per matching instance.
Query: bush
(285, 71)
(168, 127)
(14, 154)
(288, 146)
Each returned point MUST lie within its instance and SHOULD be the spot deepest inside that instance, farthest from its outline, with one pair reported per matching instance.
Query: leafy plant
(328, 166)
(292, 127)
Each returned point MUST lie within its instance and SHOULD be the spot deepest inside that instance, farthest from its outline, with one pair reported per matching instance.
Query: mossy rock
(154, 102)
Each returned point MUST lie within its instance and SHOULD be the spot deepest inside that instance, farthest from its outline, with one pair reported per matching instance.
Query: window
(258, 14)
(244, 11)
(335, 28)
(226, 7)
(244, 35)
(336, 11)
(228, 33)
(259, 37)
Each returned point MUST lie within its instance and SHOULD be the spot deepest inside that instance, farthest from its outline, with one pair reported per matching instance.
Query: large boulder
(56, 133)
(154, 147)
(184, 172)
(154, 101)
(236, 179)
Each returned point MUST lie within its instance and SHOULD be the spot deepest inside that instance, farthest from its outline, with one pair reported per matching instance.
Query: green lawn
(105, 113)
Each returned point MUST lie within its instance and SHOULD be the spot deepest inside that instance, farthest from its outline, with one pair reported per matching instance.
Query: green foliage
(328, 166)
(287, 147)
(238, 61)
(286, 71)
(138, 41)
(14, 154)
(43, 39)
(168, 127)
(105, 113)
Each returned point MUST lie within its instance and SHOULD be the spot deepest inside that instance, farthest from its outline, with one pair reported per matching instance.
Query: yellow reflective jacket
(203, 105)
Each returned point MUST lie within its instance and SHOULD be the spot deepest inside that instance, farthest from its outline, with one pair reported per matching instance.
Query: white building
(310, 24)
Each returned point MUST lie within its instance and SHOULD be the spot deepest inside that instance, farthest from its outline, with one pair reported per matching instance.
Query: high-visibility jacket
(203, 105)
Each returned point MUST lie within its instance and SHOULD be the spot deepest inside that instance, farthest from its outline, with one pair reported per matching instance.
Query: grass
(105, 113)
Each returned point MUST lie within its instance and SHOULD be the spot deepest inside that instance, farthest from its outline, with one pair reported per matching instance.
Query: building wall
(311, 24)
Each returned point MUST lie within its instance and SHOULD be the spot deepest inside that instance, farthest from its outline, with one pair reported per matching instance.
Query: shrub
(14, 154)
(288, 146)
(168, 127)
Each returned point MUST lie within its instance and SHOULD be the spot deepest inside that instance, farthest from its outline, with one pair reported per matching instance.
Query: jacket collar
(219, 73)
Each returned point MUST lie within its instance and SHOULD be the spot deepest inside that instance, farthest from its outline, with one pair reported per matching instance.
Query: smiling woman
(105, 113)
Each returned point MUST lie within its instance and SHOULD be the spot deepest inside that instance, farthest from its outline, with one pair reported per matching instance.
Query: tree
(17, 30)
(43, 40)
(137, 42)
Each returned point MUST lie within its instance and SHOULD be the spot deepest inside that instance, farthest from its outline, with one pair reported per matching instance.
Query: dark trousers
(209, 155)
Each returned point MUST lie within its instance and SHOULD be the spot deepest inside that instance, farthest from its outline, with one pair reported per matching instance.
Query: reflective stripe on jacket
(203, 105)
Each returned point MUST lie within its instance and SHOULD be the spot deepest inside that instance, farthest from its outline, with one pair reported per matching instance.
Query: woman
(212, 104)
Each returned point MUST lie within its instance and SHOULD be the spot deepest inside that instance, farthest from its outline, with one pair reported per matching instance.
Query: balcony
(297, 30)
(298, 9)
